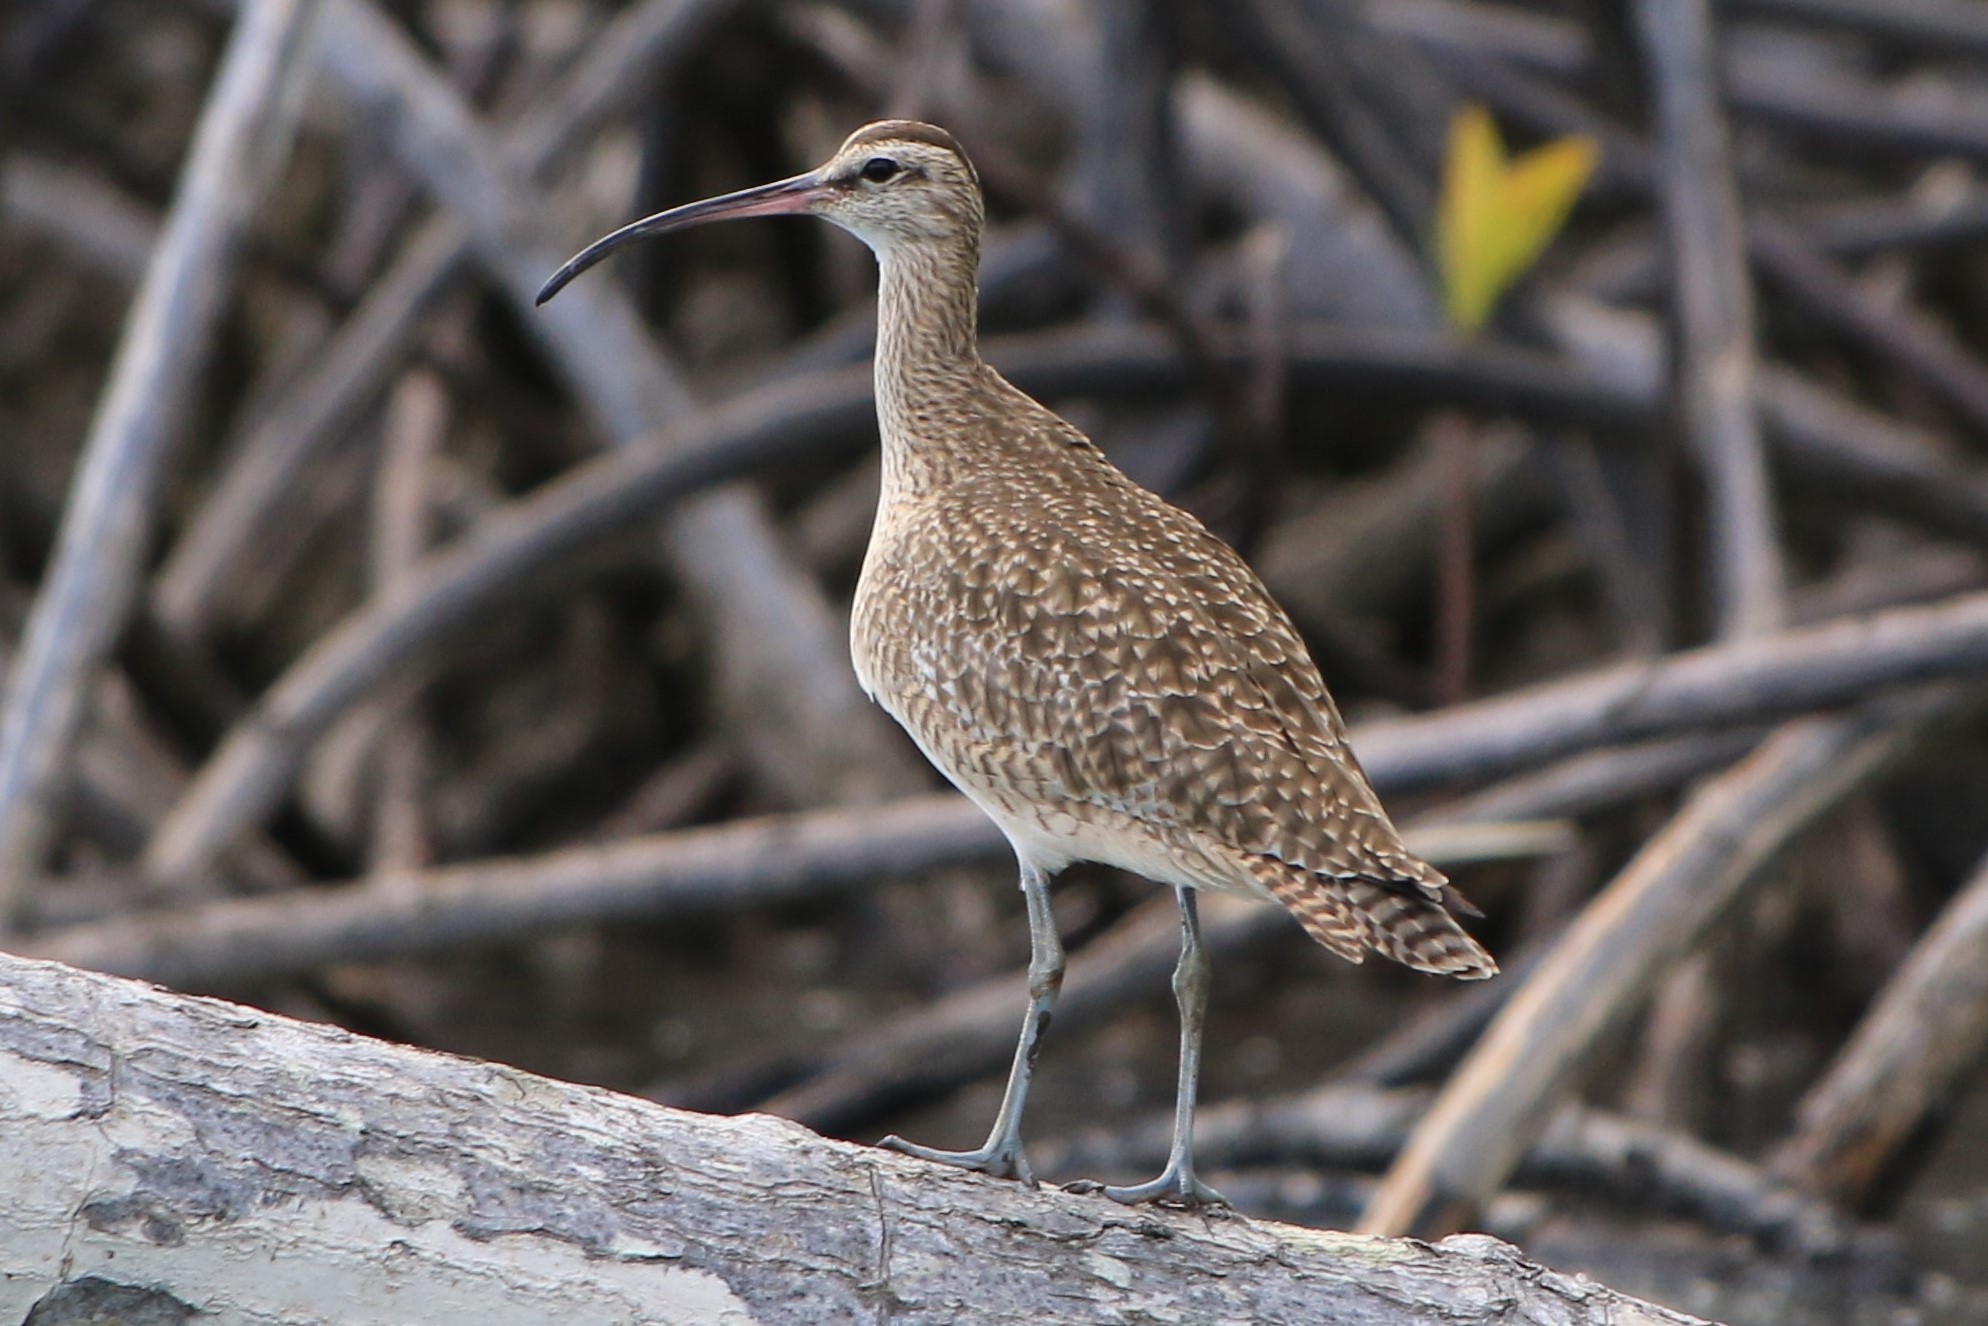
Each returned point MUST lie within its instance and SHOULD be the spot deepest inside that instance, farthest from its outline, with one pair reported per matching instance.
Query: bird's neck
(928, 367)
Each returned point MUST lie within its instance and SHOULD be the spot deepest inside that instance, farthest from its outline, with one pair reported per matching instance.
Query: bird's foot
(1176, 1186)
(1001, 1158)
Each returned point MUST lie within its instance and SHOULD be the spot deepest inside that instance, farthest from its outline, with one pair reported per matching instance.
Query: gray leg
(1002, 1154)
(1177, 1184)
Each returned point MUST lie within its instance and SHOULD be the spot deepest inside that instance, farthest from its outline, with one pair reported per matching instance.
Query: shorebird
(1105, 678)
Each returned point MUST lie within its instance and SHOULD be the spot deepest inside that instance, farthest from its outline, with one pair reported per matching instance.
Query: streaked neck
(927, 360)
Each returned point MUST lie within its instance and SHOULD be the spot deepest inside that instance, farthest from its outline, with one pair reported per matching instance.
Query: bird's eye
(879, 169)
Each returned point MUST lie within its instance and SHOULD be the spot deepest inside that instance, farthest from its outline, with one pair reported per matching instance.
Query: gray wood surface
(164, 1156)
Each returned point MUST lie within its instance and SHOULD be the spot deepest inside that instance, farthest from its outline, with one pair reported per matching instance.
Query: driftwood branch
(1936, 26)
(1344, 1126)
(401, 911)
(185, 1145)
(1714, 302)
(1656, 910)
(244, 136)
(737, 864)
(1816, 666)
(1915, 1046)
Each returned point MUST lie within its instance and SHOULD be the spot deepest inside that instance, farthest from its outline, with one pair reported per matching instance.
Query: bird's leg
(1002, 1156)
(1177, 1185)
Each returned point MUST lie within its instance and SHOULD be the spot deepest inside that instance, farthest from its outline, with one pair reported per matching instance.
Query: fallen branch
(1713, 304)
(1849, 112)
(1912, 1049)
(242, 140)
(183, 1146)
(1832, 664)
(1610, 960)
(1638, 1165)
(656, 877)
(1937, 27)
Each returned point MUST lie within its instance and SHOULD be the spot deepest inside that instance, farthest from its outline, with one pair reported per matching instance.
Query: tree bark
(167, 1157)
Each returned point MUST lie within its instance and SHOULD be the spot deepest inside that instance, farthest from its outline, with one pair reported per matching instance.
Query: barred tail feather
(1415, 931)
(1350, 916)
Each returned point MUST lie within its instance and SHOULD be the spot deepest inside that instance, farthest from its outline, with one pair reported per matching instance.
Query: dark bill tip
(782, 198)
(578, 263)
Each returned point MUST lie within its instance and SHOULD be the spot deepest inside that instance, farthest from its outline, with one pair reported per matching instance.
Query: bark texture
(166, 1159)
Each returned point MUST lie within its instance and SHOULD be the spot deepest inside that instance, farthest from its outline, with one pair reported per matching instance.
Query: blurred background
(388, 671)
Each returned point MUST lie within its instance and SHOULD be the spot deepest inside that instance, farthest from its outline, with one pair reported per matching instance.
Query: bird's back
(1111, 682)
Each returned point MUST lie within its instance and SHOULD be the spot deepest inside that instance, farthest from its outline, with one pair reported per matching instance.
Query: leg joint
(1045, 975)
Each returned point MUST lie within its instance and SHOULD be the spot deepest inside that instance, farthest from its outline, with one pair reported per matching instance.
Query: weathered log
(196, 1157)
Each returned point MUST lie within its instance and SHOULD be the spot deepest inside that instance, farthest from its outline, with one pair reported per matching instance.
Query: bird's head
(894, 184)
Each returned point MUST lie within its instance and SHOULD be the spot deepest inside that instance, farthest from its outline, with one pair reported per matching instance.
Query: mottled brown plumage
(1099, 673)
(1111, 683)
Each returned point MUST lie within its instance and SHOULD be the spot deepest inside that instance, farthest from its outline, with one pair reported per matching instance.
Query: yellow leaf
(1496, 216)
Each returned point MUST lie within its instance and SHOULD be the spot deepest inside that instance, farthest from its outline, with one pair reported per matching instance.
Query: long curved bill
(787, 197)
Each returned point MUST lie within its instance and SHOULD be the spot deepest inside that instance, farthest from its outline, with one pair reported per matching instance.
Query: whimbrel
(1105, 678)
